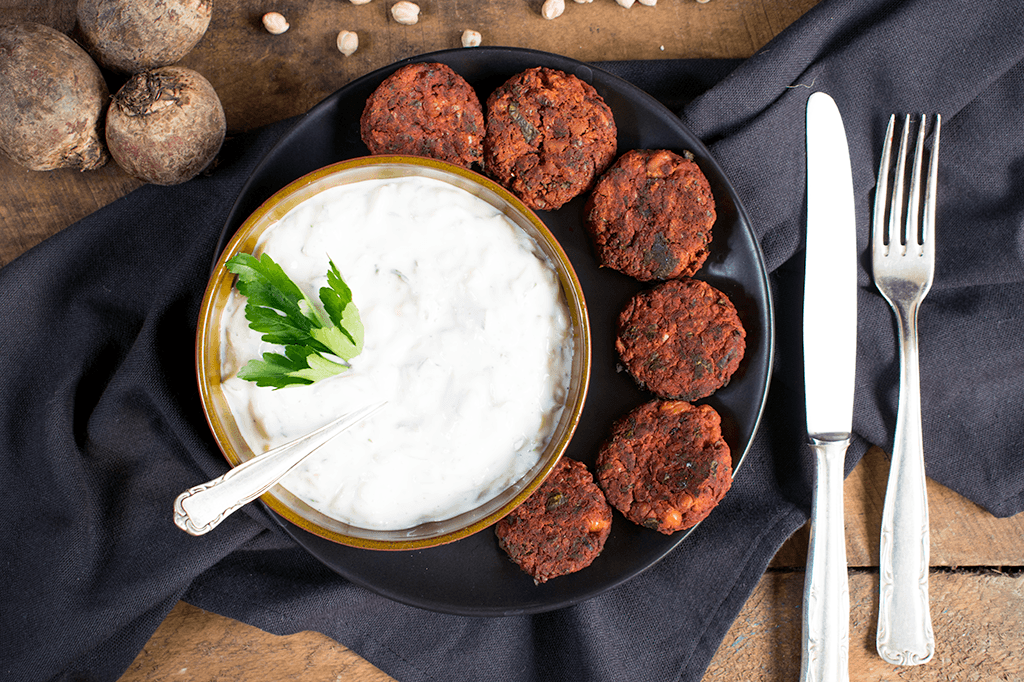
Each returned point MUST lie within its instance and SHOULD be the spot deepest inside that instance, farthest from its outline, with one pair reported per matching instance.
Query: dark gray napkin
(100, 425)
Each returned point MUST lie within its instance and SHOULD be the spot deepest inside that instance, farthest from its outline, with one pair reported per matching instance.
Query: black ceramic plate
(473, 576)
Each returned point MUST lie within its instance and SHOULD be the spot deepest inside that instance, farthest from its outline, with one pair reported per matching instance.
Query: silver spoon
(200, 509)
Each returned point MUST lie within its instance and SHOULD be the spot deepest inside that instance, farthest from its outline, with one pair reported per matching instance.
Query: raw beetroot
(166, 125)
(52, 100)
(130, 36)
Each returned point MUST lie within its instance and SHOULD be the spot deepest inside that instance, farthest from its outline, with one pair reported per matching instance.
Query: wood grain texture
(263, 78)
(976, 611)
(963, 534)
(37, 205)
(975, 616)
(192, 644)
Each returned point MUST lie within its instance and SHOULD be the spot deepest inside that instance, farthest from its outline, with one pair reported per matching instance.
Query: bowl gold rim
(275, 207)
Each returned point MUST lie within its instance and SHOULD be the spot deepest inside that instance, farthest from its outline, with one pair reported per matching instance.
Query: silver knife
(830, 347)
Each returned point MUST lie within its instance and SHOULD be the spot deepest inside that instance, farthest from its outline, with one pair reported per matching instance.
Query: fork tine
(928, 217)
(879, 237)
(897, 236)
(913, 231)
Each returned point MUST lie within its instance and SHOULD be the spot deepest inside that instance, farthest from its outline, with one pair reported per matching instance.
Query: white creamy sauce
(468, 338)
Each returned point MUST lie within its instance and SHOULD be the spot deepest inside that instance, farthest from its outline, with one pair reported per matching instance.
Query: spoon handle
(200, 509)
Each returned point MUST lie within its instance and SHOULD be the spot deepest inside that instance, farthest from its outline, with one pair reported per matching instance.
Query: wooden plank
(970, 608)
(962, 533)
(60, 14)
(192, 644)
(262, 78)
(976, 617)
(37, 205)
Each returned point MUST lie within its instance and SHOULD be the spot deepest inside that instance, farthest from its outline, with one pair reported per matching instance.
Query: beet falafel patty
(683, 339)
(549, 135)
(650, 215)
(665, 465)
(425, 109)
(561, 527)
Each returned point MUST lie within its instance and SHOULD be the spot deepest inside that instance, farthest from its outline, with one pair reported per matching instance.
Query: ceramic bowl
(208, 351)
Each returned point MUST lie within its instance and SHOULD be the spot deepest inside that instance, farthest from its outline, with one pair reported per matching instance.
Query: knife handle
(825, 642)
(905, 635)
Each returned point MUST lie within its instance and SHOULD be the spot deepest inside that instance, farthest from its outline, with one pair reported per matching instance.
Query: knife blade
(830, 346)
(830, 292)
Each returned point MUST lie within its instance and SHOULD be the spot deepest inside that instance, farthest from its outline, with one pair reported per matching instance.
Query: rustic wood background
(977, 587)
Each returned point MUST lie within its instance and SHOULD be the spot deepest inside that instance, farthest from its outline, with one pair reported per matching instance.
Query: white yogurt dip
(468, 338)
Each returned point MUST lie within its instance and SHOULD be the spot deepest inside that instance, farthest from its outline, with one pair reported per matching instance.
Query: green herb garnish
(278, 309)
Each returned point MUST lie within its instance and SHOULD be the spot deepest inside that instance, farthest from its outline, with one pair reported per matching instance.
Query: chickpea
(275, 23)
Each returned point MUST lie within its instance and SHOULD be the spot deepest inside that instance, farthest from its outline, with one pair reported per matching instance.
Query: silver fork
(903, 264)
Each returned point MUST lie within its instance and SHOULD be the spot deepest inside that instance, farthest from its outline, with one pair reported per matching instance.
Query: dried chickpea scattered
(275, 23)
(583, 2)
(407, 13)
(359, 2)
(471, 38)
(552, 9)
(649, 3)
(348, 42)
(625, 3)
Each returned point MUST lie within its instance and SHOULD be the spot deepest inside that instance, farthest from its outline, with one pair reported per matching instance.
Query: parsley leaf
(278, 308)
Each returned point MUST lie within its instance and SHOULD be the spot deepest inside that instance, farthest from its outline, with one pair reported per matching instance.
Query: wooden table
(977, 586)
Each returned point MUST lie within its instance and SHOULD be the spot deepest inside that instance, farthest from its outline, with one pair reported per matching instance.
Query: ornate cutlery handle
(905, 635)
(826, 619)
(200, 509)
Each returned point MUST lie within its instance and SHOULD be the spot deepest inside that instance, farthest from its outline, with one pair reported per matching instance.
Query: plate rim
(309, 541)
